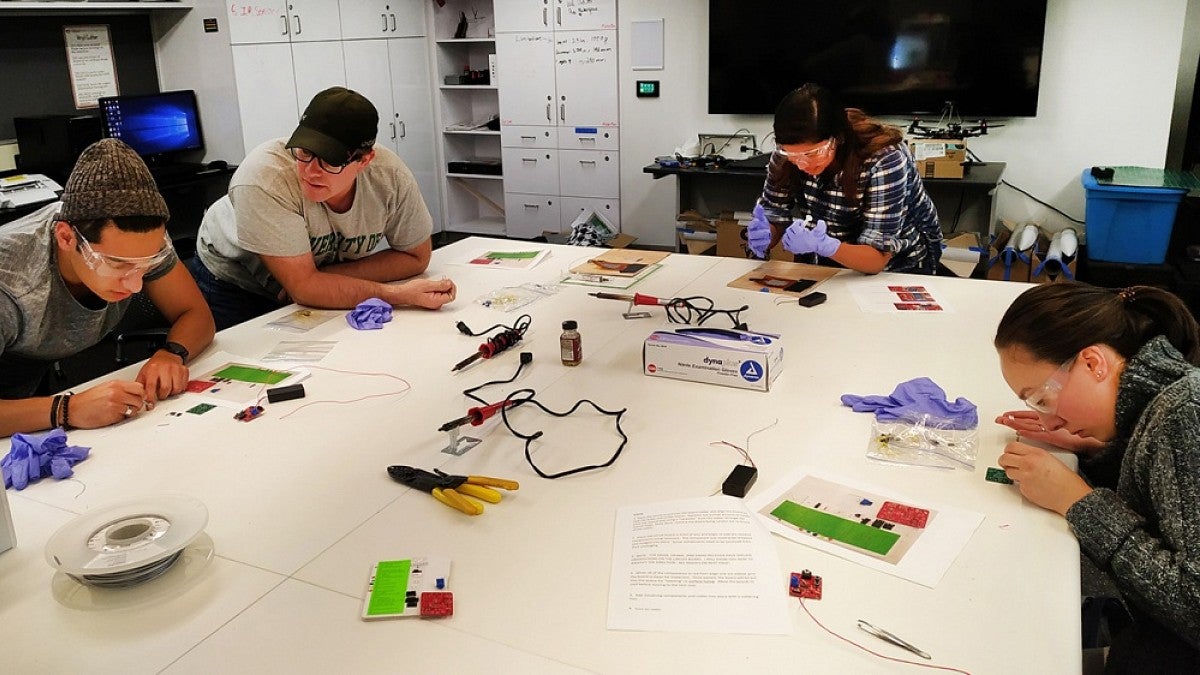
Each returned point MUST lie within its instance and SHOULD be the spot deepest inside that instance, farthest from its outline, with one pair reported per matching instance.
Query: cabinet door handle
(298, 28)
(545, 19)
(285, 25)
(530, 138)
(548, 113)
(403, 131)
(562, 112)
(393, 125)
(384, 17)
(558, 15)
(587, 139)
(529, 159)
(532, 206)
(588, 161)
(393, 17)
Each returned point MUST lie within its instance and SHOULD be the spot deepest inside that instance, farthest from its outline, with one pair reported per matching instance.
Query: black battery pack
(280, 394)
(740, 480)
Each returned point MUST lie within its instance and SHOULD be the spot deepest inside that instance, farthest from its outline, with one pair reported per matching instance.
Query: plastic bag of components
(924, 440)
(511, 298)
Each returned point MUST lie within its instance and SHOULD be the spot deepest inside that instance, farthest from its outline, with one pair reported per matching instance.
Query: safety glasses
(1045, 398)
(120, 266)
(305, 156)
(808, 155)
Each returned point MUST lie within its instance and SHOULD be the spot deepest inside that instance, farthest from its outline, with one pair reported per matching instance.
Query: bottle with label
(570, 344)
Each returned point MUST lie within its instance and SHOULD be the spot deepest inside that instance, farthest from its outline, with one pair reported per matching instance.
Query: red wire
(406, 389)
(869, 651)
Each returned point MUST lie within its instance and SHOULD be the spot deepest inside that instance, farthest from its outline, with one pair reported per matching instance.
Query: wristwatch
(177, 349)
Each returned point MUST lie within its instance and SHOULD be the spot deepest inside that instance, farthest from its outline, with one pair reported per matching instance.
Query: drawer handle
(532, 206)
(529, 159)
(587, 161)
(529, 138)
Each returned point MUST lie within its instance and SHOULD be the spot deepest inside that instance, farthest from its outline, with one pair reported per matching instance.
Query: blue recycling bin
(1129, 224)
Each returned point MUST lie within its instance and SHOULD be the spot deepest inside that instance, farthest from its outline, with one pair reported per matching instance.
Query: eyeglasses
(306, 156)
(808, 155)
(1045, 398)
(121, 266)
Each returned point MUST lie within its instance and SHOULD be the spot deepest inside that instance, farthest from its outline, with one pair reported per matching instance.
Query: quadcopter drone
(950, 125)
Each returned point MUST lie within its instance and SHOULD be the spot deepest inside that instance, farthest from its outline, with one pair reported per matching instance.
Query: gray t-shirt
(265, 213)
(39, 318)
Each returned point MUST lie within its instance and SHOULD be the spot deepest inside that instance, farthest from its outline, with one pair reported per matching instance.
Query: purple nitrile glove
(370, 314)
(758, 233)
(34, 456)
(914, 398)
(800, 239)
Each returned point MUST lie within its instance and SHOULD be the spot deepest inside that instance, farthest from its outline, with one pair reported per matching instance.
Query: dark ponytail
(1055, 321)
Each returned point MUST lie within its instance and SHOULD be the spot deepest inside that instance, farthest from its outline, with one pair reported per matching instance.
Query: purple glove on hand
(800, 239)
(758, 233)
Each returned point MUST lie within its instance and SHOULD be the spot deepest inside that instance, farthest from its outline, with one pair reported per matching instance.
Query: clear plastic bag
(924, 440)
(510, 298)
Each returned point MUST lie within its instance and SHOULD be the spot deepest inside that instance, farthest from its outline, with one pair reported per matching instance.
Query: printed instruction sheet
(698, 565)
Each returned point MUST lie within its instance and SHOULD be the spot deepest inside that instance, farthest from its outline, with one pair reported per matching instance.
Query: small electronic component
(998, 475)
(805, 585)
(740, 480)
(280, 394)
(248, 414)
(437, 603)
(812, 299)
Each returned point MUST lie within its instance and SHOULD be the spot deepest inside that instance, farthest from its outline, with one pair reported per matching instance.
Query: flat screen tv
(888, 57)
(157, 126)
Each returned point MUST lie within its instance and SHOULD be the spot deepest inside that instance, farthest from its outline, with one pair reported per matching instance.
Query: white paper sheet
(924, 558)
(913, 298)
(697, 565)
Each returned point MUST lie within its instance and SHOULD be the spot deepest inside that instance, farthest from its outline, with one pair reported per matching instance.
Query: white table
(299, 508)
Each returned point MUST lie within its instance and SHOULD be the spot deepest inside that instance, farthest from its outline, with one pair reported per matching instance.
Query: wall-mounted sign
(90, 60)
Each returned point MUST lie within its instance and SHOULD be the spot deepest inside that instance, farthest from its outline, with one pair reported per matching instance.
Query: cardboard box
(733, 358)
(731, 242)
(939, 158)
(962, 254)
(696, 234)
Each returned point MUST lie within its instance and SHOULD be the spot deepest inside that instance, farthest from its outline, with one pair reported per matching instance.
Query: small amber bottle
(570, 344)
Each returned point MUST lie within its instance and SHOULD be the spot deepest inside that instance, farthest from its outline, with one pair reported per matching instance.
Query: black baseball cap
(337, 123)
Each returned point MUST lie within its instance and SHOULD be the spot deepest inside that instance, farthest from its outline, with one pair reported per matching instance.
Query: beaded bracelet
(66, 410)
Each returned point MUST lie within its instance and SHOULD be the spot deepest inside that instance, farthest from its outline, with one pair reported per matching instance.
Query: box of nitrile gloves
(734, 358)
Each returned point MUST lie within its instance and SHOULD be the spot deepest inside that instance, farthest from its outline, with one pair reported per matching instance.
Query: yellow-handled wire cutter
(452, 490)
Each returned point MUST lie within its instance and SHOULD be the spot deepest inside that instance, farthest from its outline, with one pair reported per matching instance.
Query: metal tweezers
(888, 637)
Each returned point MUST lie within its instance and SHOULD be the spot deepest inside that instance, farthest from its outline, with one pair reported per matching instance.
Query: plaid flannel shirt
(894, 214)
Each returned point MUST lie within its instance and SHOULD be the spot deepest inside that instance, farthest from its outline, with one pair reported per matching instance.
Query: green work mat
(242, 373)
(836, 528)
(1140, 176)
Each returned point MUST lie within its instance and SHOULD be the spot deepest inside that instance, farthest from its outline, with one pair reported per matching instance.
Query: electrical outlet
(728, 145)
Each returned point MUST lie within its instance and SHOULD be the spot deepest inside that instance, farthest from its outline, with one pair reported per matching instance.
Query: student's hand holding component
(801, 239)
(453, 490)
(758, 233)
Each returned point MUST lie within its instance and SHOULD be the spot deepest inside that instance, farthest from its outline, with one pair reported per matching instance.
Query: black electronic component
(1102, 172)
(812, 299)
(740, 480)
(280, 394)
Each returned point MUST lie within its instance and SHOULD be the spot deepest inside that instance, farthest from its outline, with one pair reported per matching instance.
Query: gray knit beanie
(109, 181)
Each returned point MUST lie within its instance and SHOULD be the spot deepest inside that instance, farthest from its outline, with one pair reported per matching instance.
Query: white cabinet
(585, 14)
(559, 111)
(382, 18)
(283, 21)
(526, 65)
(275, 82)
(394, 75)
(535, 15)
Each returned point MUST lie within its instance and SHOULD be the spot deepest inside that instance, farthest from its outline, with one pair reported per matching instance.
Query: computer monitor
(157, 126)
